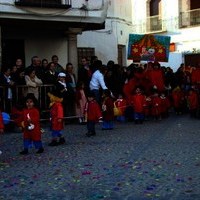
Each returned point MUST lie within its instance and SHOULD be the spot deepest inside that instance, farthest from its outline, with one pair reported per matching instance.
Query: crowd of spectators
(94, 76)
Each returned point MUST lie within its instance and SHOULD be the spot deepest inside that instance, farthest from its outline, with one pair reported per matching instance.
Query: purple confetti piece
(86, 173)
(88, 165)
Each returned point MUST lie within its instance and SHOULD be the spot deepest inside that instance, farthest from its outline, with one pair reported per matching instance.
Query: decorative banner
(148, 48)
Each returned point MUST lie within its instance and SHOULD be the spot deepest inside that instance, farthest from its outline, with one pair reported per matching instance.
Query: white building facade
(179, 19)
(45, 28)
(73, 29)
(111, 43)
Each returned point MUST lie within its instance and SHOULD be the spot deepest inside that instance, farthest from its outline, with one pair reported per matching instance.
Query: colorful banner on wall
(148, 48)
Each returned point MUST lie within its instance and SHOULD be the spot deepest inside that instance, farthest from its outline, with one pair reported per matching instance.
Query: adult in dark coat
(50, 74)
(71, 86)
(85, 74)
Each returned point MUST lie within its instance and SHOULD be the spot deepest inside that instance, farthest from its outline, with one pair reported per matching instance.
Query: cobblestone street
(156, 160)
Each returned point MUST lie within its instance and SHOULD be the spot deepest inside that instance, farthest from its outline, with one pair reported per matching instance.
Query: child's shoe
(24, 152)
(40, 150)
(53, 143)
(61, 140)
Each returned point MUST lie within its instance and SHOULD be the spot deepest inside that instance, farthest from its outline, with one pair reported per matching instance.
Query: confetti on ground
(133, 161)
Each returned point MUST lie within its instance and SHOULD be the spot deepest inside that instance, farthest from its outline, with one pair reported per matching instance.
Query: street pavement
(155, 160)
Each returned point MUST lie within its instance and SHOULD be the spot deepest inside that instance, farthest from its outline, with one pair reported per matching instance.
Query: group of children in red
(157, 105)
(141, 106)
(136, 106)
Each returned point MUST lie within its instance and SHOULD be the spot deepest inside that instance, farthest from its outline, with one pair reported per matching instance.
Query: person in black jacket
(85, 74)
(71, 86)
(50, 74)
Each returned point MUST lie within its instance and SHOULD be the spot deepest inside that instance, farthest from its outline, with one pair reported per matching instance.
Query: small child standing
(31, 125)
(56, 117)
(147, 108)
(1, 127)
(80, 102)
(92, 113)
(155, 105)
(193, 103)
(108, 113)
(178, 98)
(121, 104)
(164, 105)
(139, 102)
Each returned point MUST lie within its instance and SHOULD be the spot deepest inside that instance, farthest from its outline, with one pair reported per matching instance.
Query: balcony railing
(154, 24)
(190, 18)
(44, 3)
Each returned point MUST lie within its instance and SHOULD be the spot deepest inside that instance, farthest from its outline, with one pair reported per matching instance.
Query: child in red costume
(1, 126)
(31, 126)
(195, 77)
(178, 100)
(56, 114)
(138, 102)
(193, 102)
(107, 108)
(121, 104)
(164, 106)
(156, 105)
(92, 113)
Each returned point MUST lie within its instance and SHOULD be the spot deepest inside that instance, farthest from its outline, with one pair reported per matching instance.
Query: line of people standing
(96, 77)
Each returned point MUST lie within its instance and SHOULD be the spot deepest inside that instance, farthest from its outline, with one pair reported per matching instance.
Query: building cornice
(9, 11)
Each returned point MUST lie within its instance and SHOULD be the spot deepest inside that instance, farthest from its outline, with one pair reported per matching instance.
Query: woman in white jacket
(32, 81)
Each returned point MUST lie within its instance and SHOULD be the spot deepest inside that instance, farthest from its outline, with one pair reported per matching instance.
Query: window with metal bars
(85, 52)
